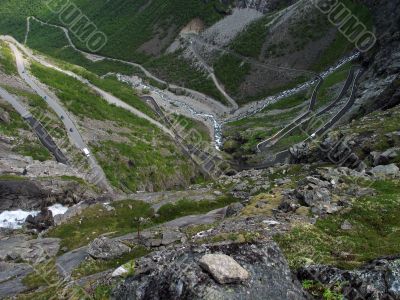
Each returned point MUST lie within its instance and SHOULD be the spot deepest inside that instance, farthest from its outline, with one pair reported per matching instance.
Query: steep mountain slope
(128, 25)
(305, 198)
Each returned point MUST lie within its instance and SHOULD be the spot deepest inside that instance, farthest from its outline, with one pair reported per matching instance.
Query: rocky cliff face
(34, 194)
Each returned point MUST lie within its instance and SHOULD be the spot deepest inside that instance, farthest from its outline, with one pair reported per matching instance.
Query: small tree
(139, 222)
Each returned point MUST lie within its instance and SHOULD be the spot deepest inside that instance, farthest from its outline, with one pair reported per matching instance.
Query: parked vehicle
(86, 152)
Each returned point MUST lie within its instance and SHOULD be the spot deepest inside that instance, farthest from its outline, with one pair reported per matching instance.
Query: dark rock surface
(379, 279)
(233, 209)
(11, 276)
(176, 274)
(67, 262)
(35, 194)
(43, 220)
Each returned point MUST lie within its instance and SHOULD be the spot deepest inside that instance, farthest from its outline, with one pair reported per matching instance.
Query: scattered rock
(4, 116)
(271, 223)
(346, 225)
(379, 279)
(32, 250)
(104, 248)
(385, 170)
(261, 204)
(282, 181)
(385, 157)
(120, 272)
(223, 268)
(233, 209)
(170, 237)
(240, 187)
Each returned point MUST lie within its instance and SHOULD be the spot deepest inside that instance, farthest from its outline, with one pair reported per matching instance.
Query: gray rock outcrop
(105, 248)
(41, 221)
(379, 279)
(175, 273)
(385, 170)
(21, 247)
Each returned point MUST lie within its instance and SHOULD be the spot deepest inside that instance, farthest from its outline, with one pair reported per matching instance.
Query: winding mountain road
(105, 95)
(147, 73)
(21, 110)
(68, 123)
(302, 119)
(37, 127)
(97, 176)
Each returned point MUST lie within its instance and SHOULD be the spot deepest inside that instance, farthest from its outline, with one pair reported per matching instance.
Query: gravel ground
(228, 28)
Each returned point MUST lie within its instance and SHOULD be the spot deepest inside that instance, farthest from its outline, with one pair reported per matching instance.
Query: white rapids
(14, 219)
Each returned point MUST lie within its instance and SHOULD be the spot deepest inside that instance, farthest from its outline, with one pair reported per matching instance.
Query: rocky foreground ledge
(225, 271)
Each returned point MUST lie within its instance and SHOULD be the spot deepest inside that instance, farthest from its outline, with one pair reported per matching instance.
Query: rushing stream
(14, 219)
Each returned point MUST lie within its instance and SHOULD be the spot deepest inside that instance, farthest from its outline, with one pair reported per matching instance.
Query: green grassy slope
(139, 155)
(127, 24)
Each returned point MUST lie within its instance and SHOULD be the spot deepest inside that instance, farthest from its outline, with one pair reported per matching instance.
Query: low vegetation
(7, 60)
(192, 130)
(249, 42)
(25, 142)
(231, 71)
(93, 266)
(341, 46)
(140, 155)
(175, 69)
(97, 219)
(374, 232)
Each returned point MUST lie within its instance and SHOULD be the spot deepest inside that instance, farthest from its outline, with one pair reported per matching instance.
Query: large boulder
(385, 157)
(4, 116)
(104, 248)
(223, 268)
(42, 221)
(175, 273)
(385, 170)
(233, 209)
